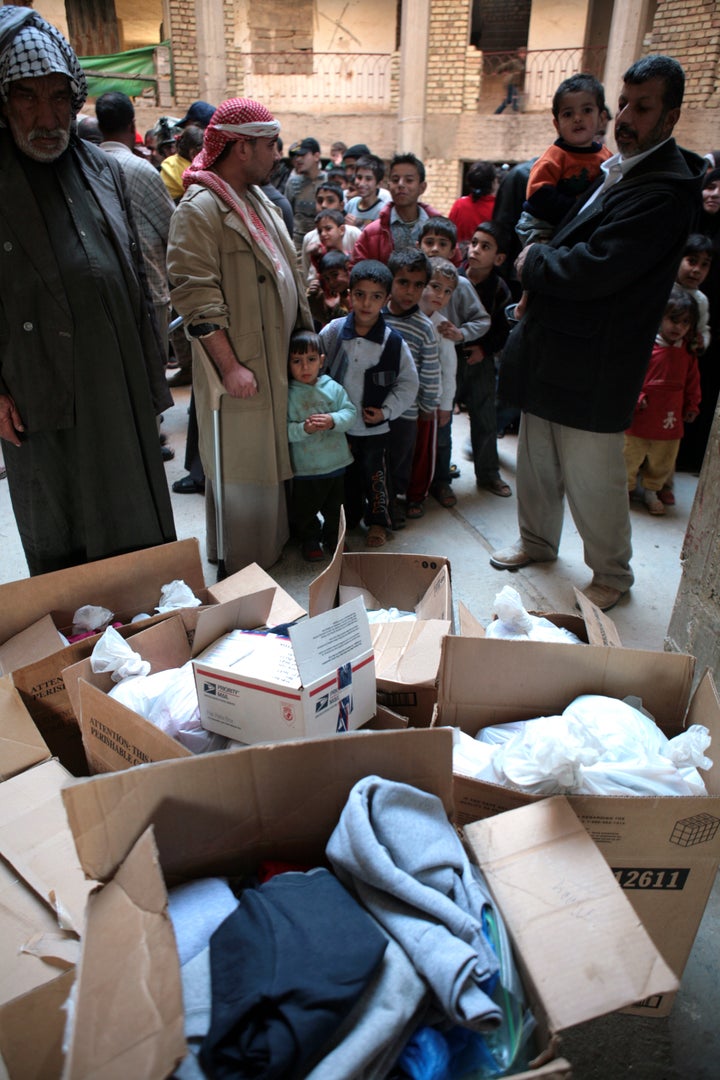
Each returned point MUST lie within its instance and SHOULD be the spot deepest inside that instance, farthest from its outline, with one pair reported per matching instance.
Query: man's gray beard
(26, 146)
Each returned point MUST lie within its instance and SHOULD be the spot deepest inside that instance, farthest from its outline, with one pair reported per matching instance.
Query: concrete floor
(685, 1046)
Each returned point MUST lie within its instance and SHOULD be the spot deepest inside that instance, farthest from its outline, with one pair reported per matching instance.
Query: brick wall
(447, 48)
(691, 33)
(183, 35)
(503, 25)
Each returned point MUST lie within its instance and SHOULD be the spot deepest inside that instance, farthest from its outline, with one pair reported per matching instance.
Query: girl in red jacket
(669, 398)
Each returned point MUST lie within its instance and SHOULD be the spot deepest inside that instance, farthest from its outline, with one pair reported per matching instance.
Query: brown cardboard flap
(280, 801)
(127, 922)
(120, 584)
(23, 916)
(36, 841)
(490, 681)
(31, 1031)
(242, 612)
(704, 709)
(34, 643)
(582, 945)
(21, 744)
(408, 652)
(253, 579)
(436, 602)
(115, 737)
(322, 592)
(469, 625)
(601, 630)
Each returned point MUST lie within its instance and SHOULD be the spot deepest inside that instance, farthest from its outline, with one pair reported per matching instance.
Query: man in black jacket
(575, 363)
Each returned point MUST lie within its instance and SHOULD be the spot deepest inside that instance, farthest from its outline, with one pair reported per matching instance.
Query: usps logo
(322, 703)
(210, 688)
(288, 714)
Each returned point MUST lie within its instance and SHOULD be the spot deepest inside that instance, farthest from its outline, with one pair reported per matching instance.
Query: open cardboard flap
(253, 579)
(127, 928)
(34, 643)
(36, 841)
(31, 1031)
(409, 652)
(469, 625)
(601, 630)
(21, 744)
(583, 947)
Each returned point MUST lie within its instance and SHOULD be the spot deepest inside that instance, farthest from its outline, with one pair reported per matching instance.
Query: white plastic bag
(90, 618)
(177, 595)
(112, 653)
(383, 615)
(514, 623)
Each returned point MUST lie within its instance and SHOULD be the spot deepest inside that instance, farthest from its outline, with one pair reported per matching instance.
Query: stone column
(414, 33)
(630, 23)
(212, 71)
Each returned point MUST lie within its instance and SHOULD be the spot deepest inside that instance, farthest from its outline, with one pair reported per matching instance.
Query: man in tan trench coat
(233, 275)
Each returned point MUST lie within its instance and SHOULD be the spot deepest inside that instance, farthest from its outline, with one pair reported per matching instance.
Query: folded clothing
(286, 969)
(395, 848)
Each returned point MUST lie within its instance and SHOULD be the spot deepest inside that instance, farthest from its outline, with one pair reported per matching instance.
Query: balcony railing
(323, 82)
(319, 81)
(540, 73)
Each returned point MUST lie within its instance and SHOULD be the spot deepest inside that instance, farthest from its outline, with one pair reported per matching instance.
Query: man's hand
(520, 261)
(10, 423)
(474, 354)
(443, 417)
(240, 382)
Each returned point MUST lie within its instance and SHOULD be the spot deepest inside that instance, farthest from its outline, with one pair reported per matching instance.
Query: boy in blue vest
(374, 365)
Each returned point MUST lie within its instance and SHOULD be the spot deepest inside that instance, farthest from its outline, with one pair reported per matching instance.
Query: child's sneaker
(653, 503)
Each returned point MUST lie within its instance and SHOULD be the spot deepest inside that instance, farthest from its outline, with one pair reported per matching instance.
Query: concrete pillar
(625, 44)
(414, 42)
(695, 623)
(212, 70)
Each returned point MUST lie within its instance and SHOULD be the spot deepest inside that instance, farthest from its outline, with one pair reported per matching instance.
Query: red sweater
(467, 215)
(671, 388)
(376, 239)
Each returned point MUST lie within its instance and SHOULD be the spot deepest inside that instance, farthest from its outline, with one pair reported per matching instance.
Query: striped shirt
(417, 330)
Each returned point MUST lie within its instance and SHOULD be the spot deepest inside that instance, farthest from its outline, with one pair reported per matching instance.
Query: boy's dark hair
(480, 179)
(680, 302)
(334, 189)
(410, 259)
(305, 341)
(371, 270)
(336, 216)
(409, 159)
(498, 233)
(444, 268)
(114, 111)
(333, 174)
(576, 84)
(190, 142)
(333, 260)
(698, 244)
(373, 163)
(440, 226)
(659, 67)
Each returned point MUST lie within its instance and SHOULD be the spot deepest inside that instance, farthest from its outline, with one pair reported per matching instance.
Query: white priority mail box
(322, 683)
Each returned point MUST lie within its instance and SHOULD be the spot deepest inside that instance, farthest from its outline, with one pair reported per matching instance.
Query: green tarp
(130, 72)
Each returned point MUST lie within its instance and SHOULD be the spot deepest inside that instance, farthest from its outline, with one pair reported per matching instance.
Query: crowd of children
(410, 327)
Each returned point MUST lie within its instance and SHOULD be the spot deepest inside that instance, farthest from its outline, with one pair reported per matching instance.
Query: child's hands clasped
(318, 422)
(372, 415)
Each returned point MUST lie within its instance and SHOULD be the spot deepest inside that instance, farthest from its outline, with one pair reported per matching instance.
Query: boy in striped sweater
(412, 435)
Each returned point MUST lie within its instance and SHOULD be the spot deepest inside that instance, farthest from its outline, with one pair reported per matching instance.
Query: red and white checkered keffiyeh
(237, 118)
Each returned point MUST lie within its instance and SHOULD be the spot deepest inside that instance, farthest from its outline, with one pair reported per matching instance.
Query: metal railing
(318, 81)
(538, 75)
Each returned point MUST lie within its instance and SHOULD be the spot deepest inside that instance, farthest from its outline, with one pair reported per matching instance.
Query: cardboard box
(32, 610)
(288, 798)
(592, 626)
(407, 654)
(331, 689)
(664, 851)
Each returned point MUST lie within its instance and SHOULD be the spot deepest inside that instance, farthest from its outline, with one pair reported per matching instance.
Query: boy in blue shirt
(319, 414)
(374, 365)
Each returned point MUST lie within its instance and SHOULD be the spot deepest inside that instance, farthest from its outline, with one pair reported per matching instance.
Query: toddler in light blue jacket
(319, 414)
